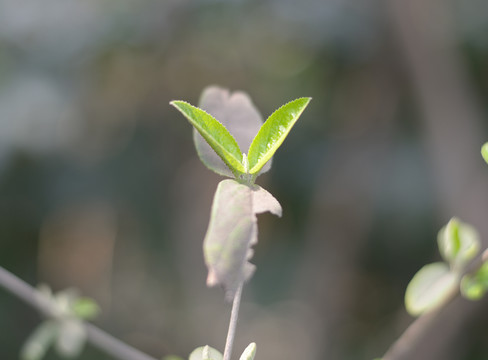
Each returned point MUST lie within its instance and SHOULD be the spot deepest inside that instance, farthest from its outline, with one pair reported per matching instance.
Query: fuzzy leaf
(429, 288)
(238, 114)
(484, 152)
(37, 344)
(473, 287)
(273, 133)
(232, 231)
(458, 243)
(85, 308)
(205, 353)
(249, 352)
(71, 339)
(216, 135)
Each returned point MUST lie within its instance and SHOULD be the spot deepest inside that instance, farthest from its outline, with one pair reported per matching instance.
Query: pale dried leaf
(232, 232)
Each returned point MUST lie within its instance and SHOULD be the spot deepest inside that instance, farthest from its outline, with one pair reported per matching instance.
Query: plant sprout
(232, 229)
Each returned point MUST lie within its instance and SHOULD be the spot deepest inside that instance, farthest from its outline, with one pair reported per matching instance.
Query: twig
(401, 349)
(113, 346)
(99, 338)
(234, 315)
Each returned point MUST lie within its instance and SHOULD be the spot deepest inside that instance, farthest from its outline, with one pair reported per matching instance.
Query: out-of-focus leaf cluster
(64, 329)
(434, 284)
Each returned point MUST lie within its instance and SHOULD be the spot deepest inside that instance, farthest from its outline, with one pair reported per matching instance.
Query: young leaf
(85, 308)
(238, 114)
(484, 152)
(232, 231)
(216, 135)
(205, 353)
(273, 133)
(429, 288)
(249, 352)
(458, 243)
(473, 287)
(37, 344)
(71, 338)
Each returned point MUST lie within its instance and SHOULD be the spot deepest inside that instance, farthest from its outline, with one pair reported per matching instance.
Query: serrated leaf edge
(235, 171)
(259, 164)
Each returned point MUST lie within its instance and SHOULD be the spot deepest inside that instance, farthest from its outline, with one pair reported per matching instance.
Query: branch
(234, 315)
(97, 337)
(401, 349)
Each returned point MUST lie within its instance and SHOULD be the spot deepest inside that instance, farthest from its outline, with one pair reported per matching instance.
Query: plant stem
(113, 346)
(99, 338)
(234, 315)
(401, 349)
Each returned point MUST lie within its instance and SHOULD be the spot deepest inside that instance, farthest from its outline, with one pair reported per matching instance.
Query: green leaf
(273, 133)
(473, 287)
(458, 243)
(249, 352)
(484, 152)
(71, 338)
(216, 135)
(430, 287)
(85, 308)
(238, 114)
(37, 344)
(205, 353)
(232, 231)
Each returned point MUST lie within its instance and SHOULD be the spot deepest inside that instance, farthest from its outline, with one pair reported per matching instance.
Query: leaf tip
(249, 352)
(306, 100)
(212, 278)
(177, 103)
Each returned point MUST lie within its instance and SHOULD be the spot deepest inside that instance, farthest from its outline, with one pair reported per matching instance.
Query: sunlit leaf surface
(273, 133)
(238, 114)
(216, 135)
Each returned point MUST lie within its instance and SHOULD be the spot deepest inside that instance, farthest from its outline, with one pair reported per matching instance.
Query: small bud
(249, 352)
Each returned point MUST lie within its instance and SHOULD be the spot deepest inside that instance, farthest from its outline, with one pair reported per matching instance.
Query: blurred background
(101, 188)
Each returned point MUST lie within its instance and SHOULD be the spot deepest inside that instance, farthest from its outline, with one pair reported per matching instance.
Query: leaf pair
(435, 283)
(238, 113)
